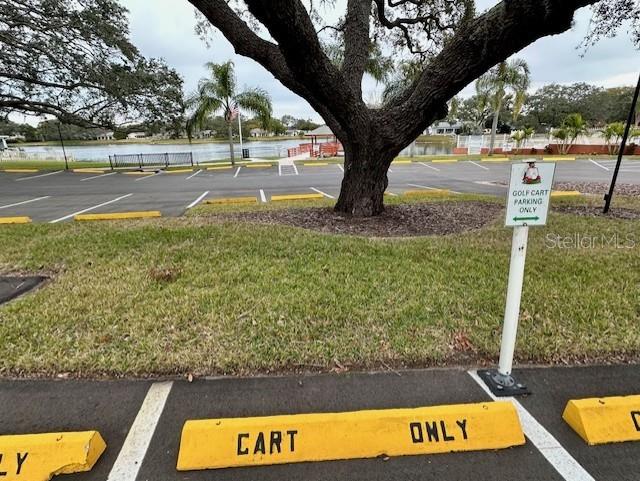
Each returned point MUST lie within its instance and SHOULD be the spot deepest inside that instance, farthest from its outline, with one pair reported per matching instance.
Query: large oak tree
(73, 59)
(446, 41)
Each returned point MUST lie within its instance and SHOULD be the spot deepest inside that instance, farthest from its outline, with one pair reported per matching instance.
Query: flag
(233, 113)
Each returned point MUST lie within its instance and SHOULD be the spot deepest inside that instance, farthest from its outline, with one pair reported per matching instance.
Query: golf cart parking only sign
(529, 193)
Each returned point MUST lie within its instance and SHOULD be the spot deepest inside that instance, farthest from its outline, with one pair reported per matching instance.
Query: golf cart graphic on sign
(531, 174)
(529, 192)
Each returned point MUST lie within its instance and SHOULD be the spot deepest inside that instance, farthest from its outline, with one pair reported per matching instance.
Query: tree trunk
(231, 154)
(494, 128)
(365, 179)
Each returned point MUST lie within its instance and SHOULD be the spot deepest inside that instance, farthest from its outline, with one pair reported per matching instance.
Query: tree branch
(289, 24)
(356, 42)
(476, 47)
(248, 44)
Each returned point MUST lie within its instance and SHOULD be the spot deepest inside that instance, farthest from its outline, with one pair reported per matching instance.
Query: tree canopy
(448, 42)
(72, 59)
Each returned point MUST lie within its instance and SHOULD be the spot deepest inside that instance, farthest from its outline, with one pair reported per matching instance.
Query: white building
(137, 135)
(445, 128)
(105, 136)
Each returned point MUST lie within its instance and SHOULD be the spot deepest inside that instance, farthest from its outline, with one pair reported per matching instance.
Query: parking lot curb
(348, 435)
(38, 457)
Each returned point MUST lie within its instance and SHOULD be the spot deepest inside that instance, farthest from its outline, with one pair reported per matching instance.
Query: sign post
(527, 205)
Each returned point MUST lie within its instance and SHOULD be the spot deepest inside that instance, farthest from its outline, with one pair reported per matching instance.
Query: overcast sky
(167, 31)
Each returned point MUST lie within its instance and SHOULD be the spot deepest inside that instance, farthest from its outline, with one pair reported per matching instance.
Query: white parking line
(147, 177)
(432, 188)
(24, 202)
(423, 186)
(237, 172)
(599, 165)
(295, 168)
(542, 439)
(197, 201)
(263, 197)
(429, 166)
(194, 174)
(38, 176)
(97, 176)
(89, 209)
(323, 193)
(137, 442)
(478, 165)
(340, 167)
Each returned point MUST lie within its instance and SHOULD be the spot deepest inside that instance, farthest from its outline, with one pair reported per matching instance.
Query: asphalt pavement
(143, 446)
(58, 196)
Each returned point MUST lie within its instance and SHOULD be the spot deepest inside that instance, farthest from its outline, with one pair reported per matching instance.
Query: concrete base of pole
(502, 385)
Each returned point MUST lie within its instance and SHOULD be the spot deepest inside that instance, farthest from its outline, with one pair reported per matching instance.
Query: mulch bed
(632, 190)
(397, 221)
(596, 211)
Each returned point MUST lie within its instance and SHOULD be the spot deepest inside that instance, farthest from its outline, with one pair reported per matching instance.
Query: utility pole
(64, 152)
(609, 196)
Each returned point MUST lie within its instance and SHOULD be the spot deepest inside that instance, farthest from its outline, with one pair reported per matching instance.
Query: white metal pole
(514, 293)
(240, 132)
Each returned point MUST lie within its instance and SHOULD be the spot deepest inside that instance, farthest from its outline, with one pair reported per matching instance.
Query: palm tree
(499, 83)
(217, 93)
(572, 127)
(612, 133)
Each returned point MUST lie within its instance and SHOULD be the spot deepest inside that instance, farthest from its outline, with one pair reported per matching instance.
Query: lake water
(201, 152)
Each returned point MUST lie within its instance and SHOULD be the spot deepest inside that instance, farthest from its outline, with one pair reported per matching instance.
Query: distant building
(107, 135)
(137, 135)
(258, 133)
(445, 128)
(294, 132)
(206, 134)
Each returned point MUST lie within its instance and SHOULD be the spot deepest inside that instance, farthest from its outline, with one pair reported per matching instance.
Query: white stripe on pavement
(429, 166)
(263, 197)
(90, 209)
(542, 439)
(24, 202)
(478, 165)
(237, 172)
(147, 177)
(38, 176)
(197, 201)
(137, 442)
(340, 167)
(323, 193)
(433, 188)
(97, 176)
(194, 174)
(599, 165)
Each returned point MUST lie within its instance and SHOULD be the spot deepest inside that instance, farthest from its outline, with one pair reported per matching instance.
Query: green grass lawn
(206, 296)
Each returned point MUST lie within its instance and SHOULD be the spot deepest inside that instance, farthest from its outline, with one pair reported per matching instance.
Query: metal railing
(150, 160)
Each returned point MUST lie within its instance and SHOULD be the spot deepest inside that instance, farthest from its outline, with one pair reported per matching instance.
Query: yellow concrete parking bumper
(220, 167)
(565, 193)
(276, 198)
(89, 171)
(555, 158)
(605, 420)
(443, 161)
(137, 172)
(20, 171)
(315, 164)
(119, 216)
(178, 171)
(15, 220)
(396, 162)
(232, 200)
(350, 435)
(39, 457)
(258, 166)
(495, 159)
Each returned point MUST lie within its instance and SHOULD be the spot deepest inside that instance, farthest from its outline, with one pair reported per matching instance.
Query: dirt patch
(397, 221)
(595, 211)
(632, 190)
